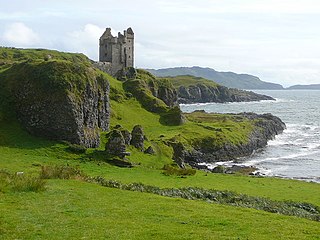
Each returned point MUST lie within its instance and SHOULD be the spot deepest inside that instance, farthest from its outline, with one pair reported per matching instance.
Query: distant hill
(306, 87)
(228, 79)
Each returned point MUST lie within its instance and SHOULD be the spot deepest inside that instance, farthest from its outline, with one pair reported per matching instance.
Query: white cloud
(19, 35)
(85, 40)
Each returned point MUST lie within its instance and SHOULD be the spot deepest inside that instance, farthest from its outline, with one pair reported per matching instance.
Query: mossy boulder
(173, 117)
(137, 139)
(116, 144)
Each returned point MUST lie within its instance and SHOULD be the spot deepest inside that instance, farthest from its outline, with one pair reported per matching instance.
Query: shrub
(304, 210)
(20, 183)
(60, 172)
(173, 170)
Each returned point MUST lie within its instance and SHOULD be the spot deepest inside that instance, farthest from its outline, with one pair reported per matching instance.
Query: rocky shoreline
(266, 128)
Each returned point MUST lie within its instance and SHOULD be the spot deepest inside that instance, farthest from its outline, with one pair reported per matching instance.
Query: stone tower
(116, 52)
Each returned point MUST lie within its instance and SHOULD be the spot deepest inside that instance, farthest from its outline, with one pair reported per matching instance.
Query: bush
(21, 183)
(60, 172)
(304, 210)
(173, 170)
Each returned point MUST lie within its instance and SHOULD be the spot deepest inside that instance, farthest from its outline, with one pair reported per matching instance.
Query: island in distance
(305, 87)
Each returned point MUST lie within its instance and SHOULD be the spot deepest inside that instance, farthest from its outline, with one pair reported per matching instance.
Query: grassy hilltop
(68, 201)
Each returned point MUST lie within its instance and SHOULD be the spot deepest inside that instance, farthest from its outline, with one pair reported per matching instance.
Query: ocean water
(296, 152)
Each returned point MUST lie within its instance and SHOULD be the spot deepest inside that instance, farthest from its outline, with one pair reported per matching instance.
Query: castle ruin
(116, 53)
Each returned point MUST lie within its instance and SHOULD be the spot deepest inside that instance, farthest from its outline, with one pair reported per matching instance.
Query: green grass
(65, 205)
(17, 55)
(77, 210)
(188, 80)
(116, 214)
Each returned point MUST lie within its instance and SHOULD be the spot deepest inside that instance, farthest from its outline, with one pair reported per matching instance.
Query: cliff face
(266, 126)
(201, 93)
(60, 100)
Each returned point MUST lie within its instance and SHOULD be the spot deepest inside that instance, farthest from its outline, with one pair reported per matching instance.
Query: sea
(295, 153)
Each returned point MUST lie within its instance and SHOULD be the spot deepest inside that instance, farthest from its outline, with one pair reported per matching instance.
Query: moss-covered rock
(116, 145)
(154, 95)
(137, 139)
(57, 99)
(173, 117)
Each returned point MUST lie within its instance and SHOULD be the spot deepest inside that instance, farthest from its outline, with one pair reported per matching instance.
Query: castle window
(129, 56)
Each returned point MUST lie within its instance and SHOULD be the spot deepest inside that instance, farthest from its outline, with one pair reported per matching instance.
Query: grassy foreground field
(70, 209)
(75, 209)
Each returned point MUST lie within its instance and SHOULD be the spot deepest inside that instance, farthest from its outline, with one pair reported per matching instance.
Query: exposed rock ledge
(266, 128)
(201, 93)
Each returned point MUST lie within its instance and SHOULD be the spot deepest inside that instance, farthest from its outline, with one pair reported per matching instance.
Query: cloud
(85, 41)
(19, 35)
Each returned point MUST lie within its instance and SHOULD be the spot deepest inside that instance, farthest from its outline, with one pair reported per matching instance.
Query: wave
(277, 100)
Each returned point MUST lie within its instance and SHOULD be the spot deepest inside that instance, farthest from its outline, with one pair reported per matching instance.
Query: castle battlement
(118, 51)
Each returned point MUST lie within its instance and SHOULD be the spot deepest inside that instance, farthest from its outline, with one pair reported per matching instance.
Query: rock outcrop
(201, 93)
(149, 150)
(266, 127)
(116, 144)
(137, 139)
(60, 100)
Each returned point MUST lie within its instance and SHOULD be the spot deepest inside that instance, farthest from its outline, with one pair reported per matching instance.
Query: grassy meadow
(77, 209)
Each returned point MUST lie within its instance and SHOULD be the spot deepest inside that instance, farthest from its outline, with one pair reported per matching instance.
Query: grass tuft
(60, 172)
(20, 183)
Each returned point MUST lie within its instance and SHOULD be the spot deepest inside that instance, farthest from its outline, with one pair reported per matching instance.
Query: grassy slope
(104, 212)
(75, 210)
(188, 80)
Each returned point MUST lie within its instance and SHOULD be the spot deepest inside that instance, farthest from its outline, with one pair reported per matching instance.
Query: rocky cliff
(209, 149)
(199, 90)
(59, 99)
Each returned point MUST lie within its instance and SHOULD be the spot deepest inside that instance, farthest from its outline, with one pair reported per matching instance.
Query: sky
(278, 41)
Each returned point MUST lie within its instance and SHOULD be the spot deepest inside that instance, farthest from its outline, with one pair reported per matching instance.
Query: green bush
(173, 170)
(60, 172)
(298, 209)
(20, 183)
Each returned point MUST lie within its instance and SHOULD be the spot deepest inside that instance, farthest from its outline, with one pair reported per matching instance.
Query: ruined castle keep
(116, 53)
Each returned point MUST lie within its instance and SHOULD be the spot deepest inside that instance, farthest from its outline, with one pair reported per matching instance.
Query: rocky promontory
(210, 149)
(199, 90)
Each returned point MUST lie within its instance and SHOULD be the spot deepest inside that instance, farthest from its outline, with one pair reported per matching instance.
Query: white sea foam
(296, 152)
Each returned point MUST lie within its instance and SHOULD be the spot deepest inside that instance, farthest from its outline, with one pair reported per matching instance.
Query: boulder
(149, 150)
(127, 136)
(116, 144)
(137, 139)
(219, 169)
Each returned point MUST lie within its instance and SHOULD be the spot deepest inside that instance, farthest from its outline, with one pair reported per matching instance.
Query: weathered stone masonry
(116, 53)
